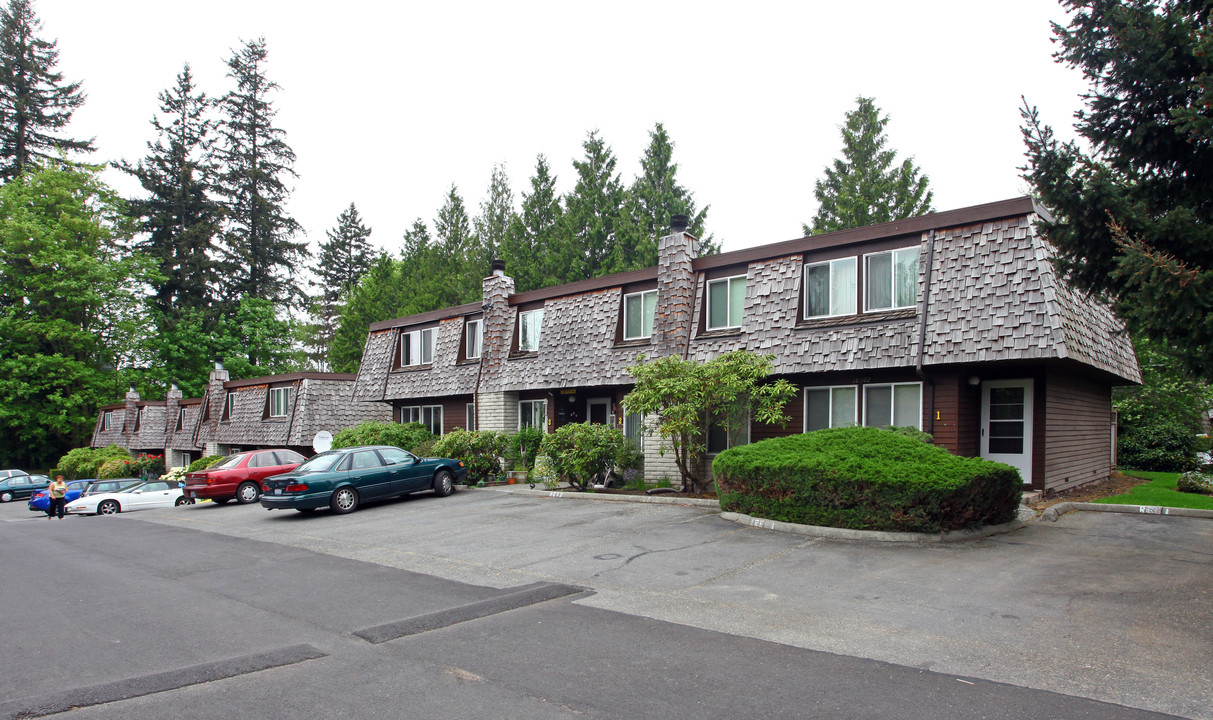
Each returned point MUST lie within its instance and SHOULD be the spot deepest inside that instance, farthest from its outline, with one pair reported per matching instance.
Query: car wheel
(444, 483)
(220, 501)
(109, 507)
(183, 501)
(6, 496)
(344, 500)
(247, 493)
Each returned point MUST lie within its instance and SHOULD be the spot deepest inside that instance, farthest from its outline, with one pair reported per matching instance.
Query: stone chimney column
(216, 396)
(130, 412)
(675, 290)
(496, 409)
(172, 405)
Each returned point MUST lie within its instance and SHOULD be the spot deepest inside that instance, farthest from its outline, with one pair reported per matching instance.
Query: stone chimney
(675, 289)
(216, 396)
(172, 405)
(130, 413)
(498, 319)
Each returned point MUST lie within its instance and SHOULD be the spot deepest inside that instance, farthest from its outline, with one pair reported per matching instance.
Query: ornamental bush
(413, 437)
(480, 452)
(1195, 482)
(204, 462)
(865, 479)
(579, 451)
(1159, 444)
(116, 468)
(523, 449)
(85, 462)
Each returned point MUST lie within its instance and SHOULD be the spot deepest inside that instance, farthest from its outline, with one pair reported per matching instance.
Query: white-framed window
(229, 406)
(891, 279)
(181, 420)
(470, 417)
(417, 347)
(827, 407)
(638, 312)
(530, 326)
(474, 336)
(280, 401)
(533, 414)
(718, 439)
(896, 404)
(726, 302)
(633, 428)
(830, 288)
(138, 419)
(105, 420)
(428, 415)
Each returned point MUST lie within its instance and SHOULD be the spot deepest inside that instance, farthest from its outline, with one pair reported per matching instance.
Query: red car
(239, 476)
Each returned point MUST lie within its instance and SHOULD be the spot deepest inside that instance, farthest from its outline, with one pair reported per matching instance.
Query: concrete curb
(573, 495)
(872, 535)
(1055, 511)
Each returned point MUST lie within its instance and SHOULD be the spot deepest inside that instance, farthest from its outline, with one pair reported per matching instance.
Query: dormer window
(891, 279)
(726, 302)
(417, 348)
(830, 288)
(473, 338)
(180, 418)
(530, 325)
(280, 401)
(105, 420)
(229, 406)
(638, 312)
(138, 419)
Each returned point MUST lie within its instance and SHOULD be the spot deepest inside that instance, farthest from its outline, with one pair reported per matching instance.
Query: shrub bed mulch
(1117, 484)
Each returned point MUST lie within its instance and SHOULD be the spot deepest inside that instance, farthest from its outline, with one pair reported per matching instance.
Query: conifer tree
(452, 280)
(864, 186)
(493, 222)
(1132, 220)
(256, 160)
(35, 103)
(374, 298)
(592, 213)
(419, 271)
(344, 258)
(528, 247)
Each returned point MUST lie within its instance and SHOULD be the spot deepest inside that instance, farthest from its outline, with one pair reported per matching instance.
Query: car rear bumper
(208, 492)
(300, 501)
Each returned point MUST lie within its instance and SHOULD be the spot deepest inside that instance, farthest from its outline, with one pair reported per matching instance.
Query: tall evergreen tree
(493, 222)
(374, 298)
(256, 161)
(1133, 220)
(344, 259)
(452, 281)
(653, 198)
(179, 219)
(529, 247)
(592, 213)
(35, 103)
(864, 186)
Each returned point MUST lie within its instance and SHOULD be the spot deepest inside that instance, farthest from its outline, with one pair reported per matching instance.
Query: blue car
(40, 501)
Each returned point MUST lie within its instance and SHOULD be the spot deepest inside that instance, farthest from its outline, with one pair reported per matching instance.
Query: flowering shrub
(85, 462)
(1195, 482)
(116, 468)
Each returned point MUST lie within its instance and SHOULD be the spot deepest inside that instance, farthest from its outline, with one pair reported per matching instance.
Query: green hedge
(480, 452)
(865, 479)
(85, 462)
(204, 462)
(413, 437)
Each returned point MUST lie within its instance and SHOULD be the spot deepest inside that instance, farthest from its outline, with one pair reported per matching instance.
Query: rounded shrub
(1195, 482)
(413, 437)
(865, 479)
(85, 462)
(579, 451)
(116, 468)
(1162, 444)
(480, 452)
(204, 462)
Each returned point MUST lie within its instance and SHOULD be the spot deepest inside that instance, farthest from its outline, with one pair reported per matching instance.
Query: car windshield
(230, 461)
(320, 463)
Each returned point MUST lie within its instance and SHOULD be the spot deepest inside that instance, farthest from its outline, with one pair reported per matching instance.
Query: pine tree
(1133, 222)
(493, 222)
(592, 213)
(374, 298)
(652, 200)
(35, 104)
(452, 280)
(178, 218)
(344, 259)
(261, 255)
(528, 247)
(864, 187)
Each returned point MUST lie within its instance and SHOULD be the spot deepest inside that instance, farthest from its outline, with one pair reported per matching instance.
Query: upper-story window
(138, 419)
(105, 420)
(891, 279)
(530, 325)
(638, 312)
(417, 347)
(180, 418)
(280, 401)
(830, 288)
(229, 406)
(474, 336)
(726, 301)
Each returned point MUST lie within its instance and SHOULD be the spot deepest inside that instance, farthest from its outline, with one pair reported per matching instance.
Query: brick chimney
(675, 289)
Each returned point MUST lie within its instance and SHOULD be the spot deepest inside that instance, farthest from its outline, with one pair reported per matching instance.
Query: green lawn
(1159, 491)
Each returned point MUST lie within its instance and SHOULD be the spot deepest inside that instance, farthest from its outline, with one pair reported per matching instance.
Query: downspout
(922, 333)
(290, 425)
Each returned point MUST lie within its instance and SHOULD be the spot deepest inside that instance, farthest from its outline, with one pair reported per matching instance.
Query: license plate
(193, 494)
(277, 491)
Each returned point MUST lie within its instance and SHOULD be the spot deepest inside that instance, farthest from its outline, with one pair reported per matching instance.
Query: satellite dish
(323, 442)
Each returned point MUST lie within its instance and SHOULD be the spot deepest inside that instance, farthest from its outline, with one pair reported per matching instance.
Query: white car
(151, 494)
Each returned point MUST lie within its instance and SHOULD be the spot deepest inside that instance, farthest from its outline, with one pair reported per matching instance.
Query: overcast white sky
(386, 104)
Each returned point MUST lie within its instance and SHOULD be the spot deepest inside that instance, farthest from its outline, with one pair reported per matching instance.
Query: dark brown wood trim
(431, 316)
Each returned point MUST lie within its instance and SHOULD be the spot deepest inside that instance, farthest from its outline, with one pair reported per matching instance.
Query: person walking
(58, 492)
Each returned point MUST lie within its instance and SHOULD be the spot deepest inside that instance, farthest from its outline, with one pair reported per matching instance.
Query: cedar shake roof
(149, 433)
(994, 296)
(183, 439)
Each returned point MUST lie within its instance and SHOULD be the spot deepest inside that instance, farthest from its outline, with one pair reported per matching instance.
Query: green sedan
(341, 480)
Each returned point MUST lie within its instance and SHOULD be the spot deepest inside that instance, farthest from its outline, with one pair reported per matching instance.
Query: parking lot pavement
(1103, 606)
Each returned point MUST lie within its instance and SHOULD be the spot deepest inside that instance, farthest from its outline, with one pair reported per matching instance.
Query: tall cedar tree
(651, 201)
(261, 256)
(344, 258)
(527, 248)
(454, 280)
(591, 216)
(1133, 221)
(374, 298)
(421, 271)
(179, 219)
(492, 224)
(35, 104)
(864, 187)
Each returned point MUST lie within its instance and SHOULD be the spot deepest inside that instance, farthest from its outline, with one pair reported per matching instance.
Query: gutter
(922, 333)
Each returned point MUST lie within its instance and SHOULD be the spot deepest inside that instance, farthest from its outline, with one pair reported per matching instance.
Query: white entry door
(1006, 424)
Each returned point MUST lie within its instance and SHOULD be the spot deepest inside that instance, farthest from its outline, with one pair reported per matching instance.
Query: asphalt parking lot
(1110, 607)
